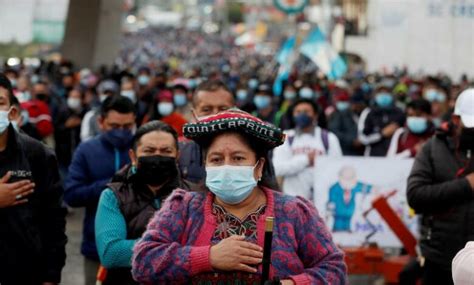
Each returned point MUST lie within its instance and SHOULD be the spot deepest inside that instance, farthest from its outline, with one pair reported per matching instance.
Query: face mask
(102, 97)
(156, 170)
(441, 97)
(165, 108)
(180, 99)
(13, 83)
(306, 93)
(42, 97)
(466, 138)
(192, 83)
(383, 99)
(130, 94)
(34, 79)
(417, 125)
(143, 80)
(23, 96)
(431, 95)
(4, 121)
(119, 138)
(74, 103)
(241, 95)
(303, 121)
(253, 83)
(261, 101)
(342, 106)
(289, 95)
(231, 184)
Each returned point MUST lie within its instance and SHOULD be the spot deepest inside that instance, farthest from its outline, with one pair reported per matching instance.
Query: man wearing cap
(441, 189)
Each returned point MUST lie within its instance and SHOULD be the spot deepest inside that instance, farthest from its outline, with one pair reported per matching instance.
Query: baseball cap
(465, 107)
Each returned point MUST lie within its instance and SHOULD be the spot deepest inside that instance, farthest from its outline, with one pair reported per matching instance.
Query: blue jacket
(93, 165)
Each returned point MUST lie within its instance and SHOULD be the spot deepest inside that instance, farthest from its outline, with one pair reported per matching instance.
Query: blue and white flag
(284, 58)
(318, 49)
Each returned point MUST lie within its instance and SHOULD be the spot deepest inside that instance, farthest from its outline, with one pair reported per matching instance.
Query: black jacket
(32, 235)
(376, 121)
(444, 198)
(137, 205)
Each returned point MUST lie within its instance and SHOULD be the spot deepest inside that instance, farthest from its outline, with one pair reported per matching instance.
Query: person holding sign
(217, 236)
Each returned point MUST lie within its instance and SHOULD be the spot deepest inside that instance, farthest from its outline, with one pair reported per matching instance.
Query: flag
(318, 50)
(284, 58)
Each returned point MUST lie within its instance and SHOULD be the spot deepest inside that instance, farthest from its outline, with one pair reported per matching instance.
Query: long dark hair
(261, 151)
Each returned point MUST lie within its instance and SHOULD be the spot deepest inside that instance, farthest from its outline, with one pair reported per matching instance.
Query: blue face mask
(383, 99)
(261, 101)
(143, 80)
(342, 106)
(253, 83)
(180, 99)
(289, 95)
(241, 94)
(303, 121)
(417, 125)
(231, 184)
(119, 138)
(4, 121)
(306, 93)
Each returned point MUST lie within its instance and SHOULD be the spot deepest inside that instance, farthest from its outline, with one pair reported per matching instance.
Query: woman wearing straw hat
(217, 237)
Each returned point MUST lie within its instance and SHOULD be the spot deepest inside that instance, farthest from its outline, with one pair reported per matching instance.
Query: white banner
(345, 188)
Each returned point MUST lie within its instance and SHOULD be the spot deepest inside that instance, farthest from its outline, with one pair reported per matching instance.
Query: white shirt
(463, 266)
(292, 162)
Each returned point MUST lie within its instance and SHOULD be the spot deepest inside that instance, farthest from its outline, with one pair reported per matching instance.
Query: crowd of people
(163, 118)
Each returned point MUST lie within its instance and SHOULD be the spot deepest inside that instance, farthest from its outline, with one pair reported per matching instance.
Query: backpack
(324, 138)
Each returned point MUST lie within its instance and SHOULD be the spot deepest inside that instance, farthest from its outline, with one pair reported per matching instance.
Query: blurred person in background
(263, 101)
(128, 90)
(290, 94)
(135, 193)
(67, 132)
(33, 224)
(441, 189)
(408, 141)
(21, 121)
(93, 165)
(181, 103)
(90, 125)
(343, 123)
(437, 96)
(243, 98)
(164, 110)
(294, 161)
(380, 122)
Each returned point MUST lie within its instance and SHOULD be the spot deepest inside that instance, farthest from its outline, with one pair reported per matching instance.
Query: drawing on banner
(345, 188)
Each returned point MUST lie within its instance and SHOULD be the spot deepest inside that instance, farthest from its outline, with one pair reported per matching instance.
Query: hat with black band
(238, 121)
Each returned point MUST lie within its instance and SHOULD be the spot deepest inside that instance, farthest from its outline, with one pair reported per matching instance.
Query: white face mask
(165, 108)
(74, 103)
(4, 120)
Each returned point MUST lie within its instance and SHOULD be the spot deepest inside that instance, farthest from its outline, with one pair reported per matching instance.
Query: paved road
(73, 273)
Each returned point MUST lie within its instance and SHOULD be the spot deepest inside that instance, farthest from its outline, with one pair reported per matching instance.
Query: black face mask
(156, 170)
(466, 138)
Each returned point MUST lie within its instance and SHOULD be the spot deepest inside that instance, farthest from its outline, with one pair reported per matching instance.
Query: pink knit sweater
(176, 245)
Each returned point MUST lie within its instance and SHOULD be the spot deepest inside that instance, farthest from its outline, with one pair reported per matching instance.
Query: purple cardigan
(176, 244)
